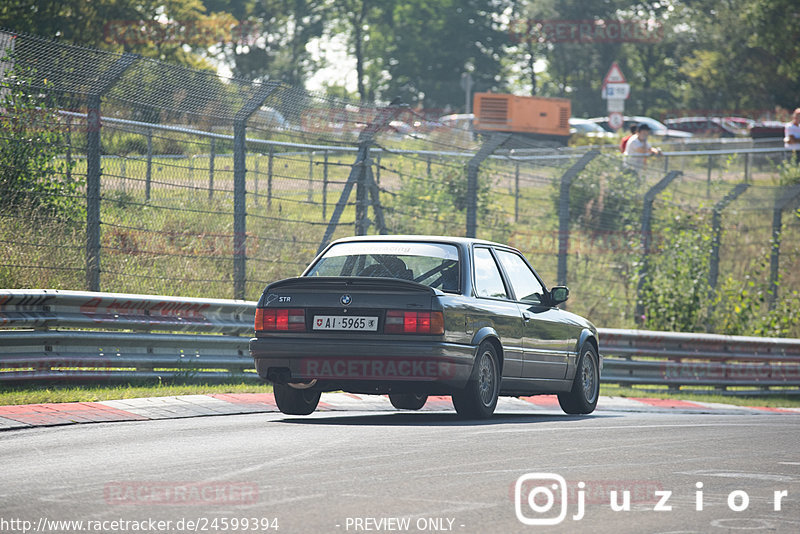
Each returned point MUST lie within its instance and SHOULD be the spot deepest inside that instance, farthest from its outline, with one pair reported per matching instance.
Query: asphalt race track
(405, 472)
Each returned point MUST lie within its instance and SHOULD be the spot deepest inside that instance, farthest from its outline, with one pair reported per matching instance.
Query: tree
(152, 28)
(273, 42)
(422, 48)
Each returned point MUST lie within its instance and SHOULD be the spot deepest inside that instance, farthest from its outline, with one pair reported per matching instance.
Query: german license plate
(341, 322)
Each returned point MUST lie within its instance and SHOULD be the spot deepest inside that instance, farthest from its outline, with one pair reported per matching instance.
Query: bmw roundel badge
(346, 300)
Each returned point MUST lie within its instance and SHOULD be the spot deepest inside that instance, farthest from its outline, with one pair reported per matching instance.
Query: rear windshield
(432, 264)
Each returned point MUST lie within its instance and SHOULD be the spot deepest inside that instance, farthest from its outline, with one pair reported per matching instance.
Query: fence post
(256, 157)
(148, 175)
(360, 175)
(716, 231)
(708, 178)
(378, 169)
(747, 167)
(325, 185)
(240, 186)
(310, 195)
(563, 212)
(647, 214)
(361, 188)
(269, 176)
(69, 148)
(783, 199)
(516, 192)
(211, 169)
(428, 166)
(93, 169)
(486, 150)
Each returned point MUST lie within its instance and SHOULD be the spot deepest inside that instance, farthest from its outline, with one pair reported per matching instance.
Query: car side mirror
(559, 294)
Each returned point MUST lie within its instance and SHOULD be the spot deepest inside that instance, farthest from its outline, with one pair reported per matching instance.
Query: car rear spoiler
(352, 283)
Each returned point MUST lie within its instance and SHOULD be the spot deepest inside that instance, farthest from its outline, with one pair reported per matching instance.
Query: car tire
(408, 401)
(582, 399)
(293, 401)
(479, 398)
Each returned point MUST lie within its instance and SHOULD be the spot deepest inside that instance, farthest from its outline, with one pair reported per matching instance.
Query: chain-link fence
(126, 174)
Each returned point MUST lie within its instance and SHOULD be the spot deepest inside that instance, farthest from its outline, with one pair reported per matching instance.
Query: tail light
(280, 320)
(414, 322)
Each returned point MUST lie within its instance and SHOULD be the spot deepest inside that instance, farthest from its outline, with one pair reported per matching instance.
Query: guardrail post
(563, 212)
(647, 214)
(486, 150)
(93, 169)
(783, 200)
(240, 185)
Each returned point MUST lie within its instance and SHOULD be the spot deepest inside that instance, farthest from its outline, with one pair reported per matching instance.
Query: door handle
(527, 316)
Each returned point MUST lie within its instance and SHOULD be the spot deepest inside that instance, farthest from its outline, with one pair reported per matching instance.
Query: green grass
(93, 393)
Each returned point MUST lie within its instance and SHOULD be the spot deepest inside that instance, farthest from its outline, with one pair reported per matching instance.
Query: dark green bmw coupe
(412, 316)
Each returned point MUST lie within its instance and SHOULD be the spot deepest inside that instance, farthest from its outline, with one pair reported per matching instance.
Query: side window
(524, 283)
(488, 282)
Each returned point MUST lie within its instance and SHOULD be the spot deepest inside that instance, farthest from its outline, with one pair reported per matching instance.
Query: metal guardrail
(52, 334)
(677, 359)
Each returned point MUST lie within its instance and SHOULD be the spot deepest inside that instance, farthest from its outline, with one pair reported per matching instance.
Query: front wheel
(292, 401)
(479, 399)
(408, 401)
(582, 399)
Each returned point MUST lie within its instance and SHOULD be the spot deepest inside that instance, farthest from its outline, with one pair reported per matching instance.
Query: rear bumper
(366, 366)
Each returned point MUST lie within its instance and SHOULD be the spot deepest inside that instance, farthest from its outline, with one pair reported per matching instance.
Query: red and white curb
(32, 415)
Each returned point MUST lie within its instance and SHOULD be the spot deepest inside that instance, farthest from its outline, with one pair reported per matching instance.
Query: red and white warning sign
(615, 120)
(614, 75)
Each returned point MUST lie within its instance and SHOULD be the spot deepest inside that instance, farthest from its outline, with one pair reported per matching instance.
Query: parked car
(588, 128)
(656, 128)
(705, 126)
(412, 316)
(767, 130)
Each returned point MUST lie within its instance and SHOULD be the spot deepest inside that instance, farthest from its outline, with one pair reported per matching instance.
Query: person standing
(627, 138)
(791, 140)
(638, 149)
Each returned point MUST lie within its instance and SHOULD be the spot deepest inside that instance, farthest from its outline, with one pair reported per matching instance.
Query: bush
(603, 198)
(741, 307)
(675, 291)
(31, 174)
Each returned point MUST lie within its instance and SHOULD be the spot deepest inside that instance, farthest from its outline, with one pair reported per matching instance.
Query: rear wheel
(292, 401)
(479, 399)
(582, 399)
(408, 401)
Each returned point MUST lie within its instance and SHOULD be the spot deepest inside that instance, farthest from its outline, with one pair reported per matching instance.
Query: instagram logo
(535, 496)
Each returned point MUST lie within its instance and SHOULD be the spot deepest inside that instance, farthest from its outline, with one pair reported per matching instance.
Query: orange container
(522, 114)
